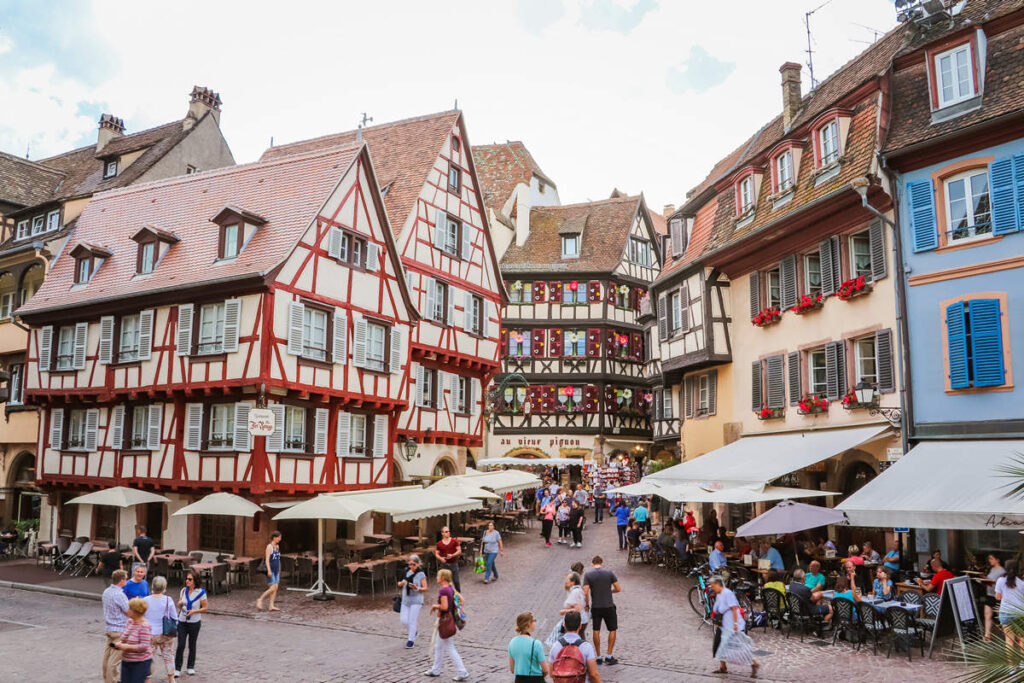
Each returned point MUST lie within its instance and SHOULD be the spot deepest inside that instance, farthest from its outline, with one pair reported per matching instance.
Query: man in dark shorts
(598, 586)
(818, 604)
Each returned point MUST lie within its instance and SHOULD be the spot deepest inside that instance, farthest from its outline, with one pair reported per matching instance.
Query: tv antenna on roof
(810, 52)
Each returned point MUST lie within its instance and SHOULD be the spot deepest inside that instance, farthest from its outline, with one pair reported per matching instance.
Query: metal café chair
(869, 623)
(774, 606)
(304, 567)
(843, 612)
(904, 629)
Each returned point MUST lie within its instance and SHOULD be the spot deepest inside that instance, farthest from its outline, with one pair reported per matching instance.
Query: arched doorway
(443, 468)
(857, 475)
(26, 500)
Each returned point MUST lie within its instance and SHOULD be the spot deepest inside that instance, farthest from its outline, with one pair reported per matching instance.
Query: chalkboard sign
(957, 609)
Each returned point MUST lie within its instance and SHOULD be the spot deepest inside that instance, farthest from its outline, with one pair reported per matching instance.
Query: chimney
(668, 210)
(790, 92)
(201, 101)
(110, 127)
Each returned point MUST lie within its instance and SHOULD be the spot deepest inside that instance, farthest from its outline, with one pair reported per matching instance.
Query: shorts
(820, 609)
(274, 578)
(606, 615)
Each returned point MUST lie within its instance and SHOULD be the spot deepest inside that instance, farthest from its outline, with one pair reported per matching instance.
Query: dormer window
(784, 171)
(82, 273)
(570, 246)
(954, 76)
(22, 232)
(88, 259)
(53, 220)
(828, 138)
(110, 169)
(37, 224)
(230, 241)
(237, 227)
(153, 244)
(746, 194)
(147, 257)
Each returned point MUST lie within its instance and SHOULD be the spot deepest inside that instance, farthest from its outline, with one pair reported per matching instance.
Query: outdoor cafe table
(905, 586)
(235, 564)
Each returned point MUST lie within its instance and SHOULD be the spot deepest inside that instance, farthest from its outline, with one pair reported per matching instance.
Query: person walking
(159, 607)
(137, 587)
(599, 584)
(600, 499)
(547, 520)
(562, 516)
(995, 571)
(447, 551)
(413, 586)
(622, 522)
(570, 663)
(272, 559)
(575, 601)
(135, 644)
(444, 638)
(143, 547)
(526, 658)
(493, 546)
(1010, 594)
(576, 516)
(191, 607)
(115, 614)
(734, 644)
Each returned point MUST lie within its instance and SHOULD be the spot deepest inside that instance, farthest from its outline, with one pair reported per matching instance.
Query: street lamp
(409, 449)
(867, 396)
(865, 392)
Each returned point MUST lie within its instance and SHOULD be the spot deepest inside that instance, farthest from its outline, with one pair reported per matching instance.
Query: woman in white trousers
(445, 647)
(413, 587)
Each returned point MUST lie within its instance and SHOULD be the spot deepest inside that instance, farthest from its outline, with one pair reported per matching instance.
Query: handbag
(446, 625)
(396, 603)
(169, 624)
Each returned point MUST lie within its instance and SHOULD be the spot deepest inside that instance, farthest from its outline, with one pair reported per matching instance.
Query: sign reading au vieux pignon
(528, 441)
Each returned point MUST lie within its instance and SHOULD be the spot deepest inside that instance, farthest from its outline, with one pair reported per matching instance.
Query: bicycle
(701, 597)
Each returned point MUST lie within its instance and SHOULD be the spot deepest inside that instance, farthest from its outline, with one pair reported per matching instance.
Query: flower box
(767, 413)
(853, 288)
(811, 405)
(850, 401)
(768, 316)
(807, 303)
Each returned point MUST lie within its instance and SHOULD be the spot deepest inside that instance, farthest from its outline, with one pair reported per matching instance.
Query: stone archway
(444, 467)
(21, 479)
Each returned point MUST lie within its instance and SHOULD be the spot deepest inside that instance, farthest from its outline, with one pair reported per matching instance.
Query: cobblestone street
(55, 638)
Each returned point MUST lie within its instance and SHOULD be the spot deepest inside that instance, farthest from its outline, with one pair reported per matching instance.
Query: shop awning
(757, 460)
(457, 486)
(405, 503)
(531, 462)
(689, 493)
(943, 485)
(500, 482)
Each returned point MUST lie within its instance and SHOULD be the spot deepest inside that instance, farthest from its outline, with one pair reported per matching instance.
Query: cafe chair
(869, 623)
(219, 578)
(904, 629)
(932, 605)
(842, 617)
(911, 597)
(633, 552)
(304, 567)
(774, 606)
(802, 616)
(63, 561)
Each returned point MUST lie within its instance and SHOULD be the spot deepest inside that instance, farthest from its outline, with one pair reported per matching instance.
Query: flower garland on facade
(852, 288)
(766, 317)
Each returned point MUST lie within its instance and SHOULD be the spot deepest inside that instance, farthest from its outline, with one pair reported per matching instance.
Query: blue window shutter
(956, 330)
(1018, 184)
(986, 343)
(922, 215)
(1004, 202)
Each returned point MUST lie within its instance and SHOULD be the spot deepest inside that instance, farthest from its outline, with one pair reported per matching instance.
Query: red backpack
(569, 666)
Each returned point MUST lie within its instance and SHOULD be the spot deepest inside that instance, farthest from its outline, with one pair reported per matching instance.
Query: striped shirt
(115, 608)
(137, 633)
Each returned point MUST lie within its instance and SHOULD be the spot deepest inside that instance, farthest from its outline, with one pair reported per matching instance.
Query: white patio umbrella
(118, 496)
(225, 504)
(320, 508)
(789, 517)
(463, 488)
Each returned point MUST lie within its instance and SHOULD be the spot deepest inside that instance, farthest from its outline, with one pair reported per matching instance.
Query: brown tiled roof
(403, 152)
(502, 166)
(660, 223)
(606, 226)
(25, 182)
(288, 192)
(700, 236)
(83, 168)
(1004, 75)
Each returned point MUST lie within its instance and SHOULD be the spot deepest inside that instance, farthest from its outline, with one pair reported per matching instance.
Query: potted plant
(766, 317)
(850, 401)
(807, 303)
(853, 288)
(767, 413)
(809, 405)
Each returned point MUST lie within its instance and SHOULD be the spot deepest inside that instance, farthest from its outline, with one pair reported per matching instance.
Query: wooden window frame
(348, 253)
(19, 232)
(107, 173)
(127, 427)
(573, 238)
(222, 240)
(453, 169)
(78, 268)
(808, 363)
(197, 324)
(850, 254)
(477, 302)
(65, 443)
(204, 435)
(387, 344)
(368, 425)
(431, 380)
(1008, 384)
(818, 140)
(116, 341)
(55, 349)
(934, 84)
(460, 226)
(805, 281)
(140, 255)
(215, 528)
(855, 352)
(328, 360)
(49, 214)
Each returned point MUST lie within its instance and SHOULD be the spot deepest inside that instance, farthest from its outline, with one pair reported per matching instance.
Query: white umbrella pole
(320, 590)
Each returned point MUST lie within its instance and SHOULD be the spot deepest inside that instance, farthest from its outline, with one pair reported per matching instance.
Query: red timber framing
(153, 388)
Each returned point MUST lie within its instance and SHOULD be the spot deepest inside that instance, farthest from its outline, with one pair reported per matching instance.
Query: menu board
(958, 610)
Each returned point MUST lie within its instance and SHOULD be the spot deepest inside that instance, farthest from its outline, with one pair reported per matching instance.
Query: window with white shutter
(57, 428)
(449, 296)
(395, 360)
(184, 337)
(243, 439)
(296, 328)
(359, 330)
(334, 242)
(146, 334)
(116, 427)
(380, 436)
(320, 431)
(45, 347)
(194, 426)
(92, 426)
(106, 347)
(339, 352)
(81, 339)
(359, 445)
(275, 442)
(232, 323)
(342, 445)
(154, 427)
(372, 257)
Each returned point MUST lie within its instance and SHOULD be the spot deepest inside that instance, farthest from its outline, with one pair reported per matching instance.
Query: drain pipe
(902, 332)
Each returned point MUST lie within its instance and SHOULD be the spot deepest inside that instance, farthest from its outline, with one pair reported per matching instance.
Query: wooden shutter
(395, 359)
(921, 197)
(146, 334)
(450, 297)
(45, 347)
(467, 242)
(956, 340)
(536, 398)
(835, 370)
(590, 404)
(106, 348)
(372, 257)
(232, 323)
(485, 322)
(684, 308)
(537, 342)
(555, 349)
(827, 268)
(117, 427)
(1005, 195)
(380, 436)
(776, 383)
(593, 342)
(431, 289)
(334, 243)
(662, 318)
(92, 426)
(472, 405)
(359, 343)
(296, 318)
(787, 276)
(755, 293)
(876, 239)
(339, 352)
(343, 443)
(713, 392)
(837, 263)
(986, 343)
(611, 403)
(793, 369)
(421, 382)
(467, 312)
(688, 407)
(243, 439)
(611, 343)
(81, 338)
(194, 426)
(440, 228)
(320, 431)
(56, 428)
(755, 386)
(676, 230)
(883, 362)
(275, 442)
(594, 291)
(184, 342)
(636, 346)
(539, 292)
(556, 292)
(453, 392)
(155, 425)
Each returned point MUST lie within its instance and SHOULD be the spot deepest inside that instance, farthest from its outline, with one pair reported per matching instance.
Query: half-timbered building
(180, 306)
(39, 204)
(441, 232)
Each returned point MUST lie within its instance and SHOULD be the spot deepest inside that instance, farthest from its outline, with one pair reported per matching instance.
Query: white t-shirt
(1013, 598)
(575, 596)
(160, 606)
(586, 649)
(553, 490)
(724, 603)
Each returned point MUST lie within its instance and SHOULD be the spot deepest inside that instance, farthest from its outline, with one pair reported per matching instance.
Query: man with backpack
(573, 660)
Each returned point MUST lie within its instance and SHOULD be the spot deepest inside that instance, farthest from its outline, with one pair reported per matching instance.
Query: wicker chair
(904, 628)
(869, 623)
(802, 616)
(843, 612)
(774, 606)
(932, 605)
(912, 598)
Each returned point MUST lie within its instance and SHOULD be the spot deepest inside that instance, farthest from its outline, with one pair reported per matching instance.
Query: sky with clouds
(636, 94)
